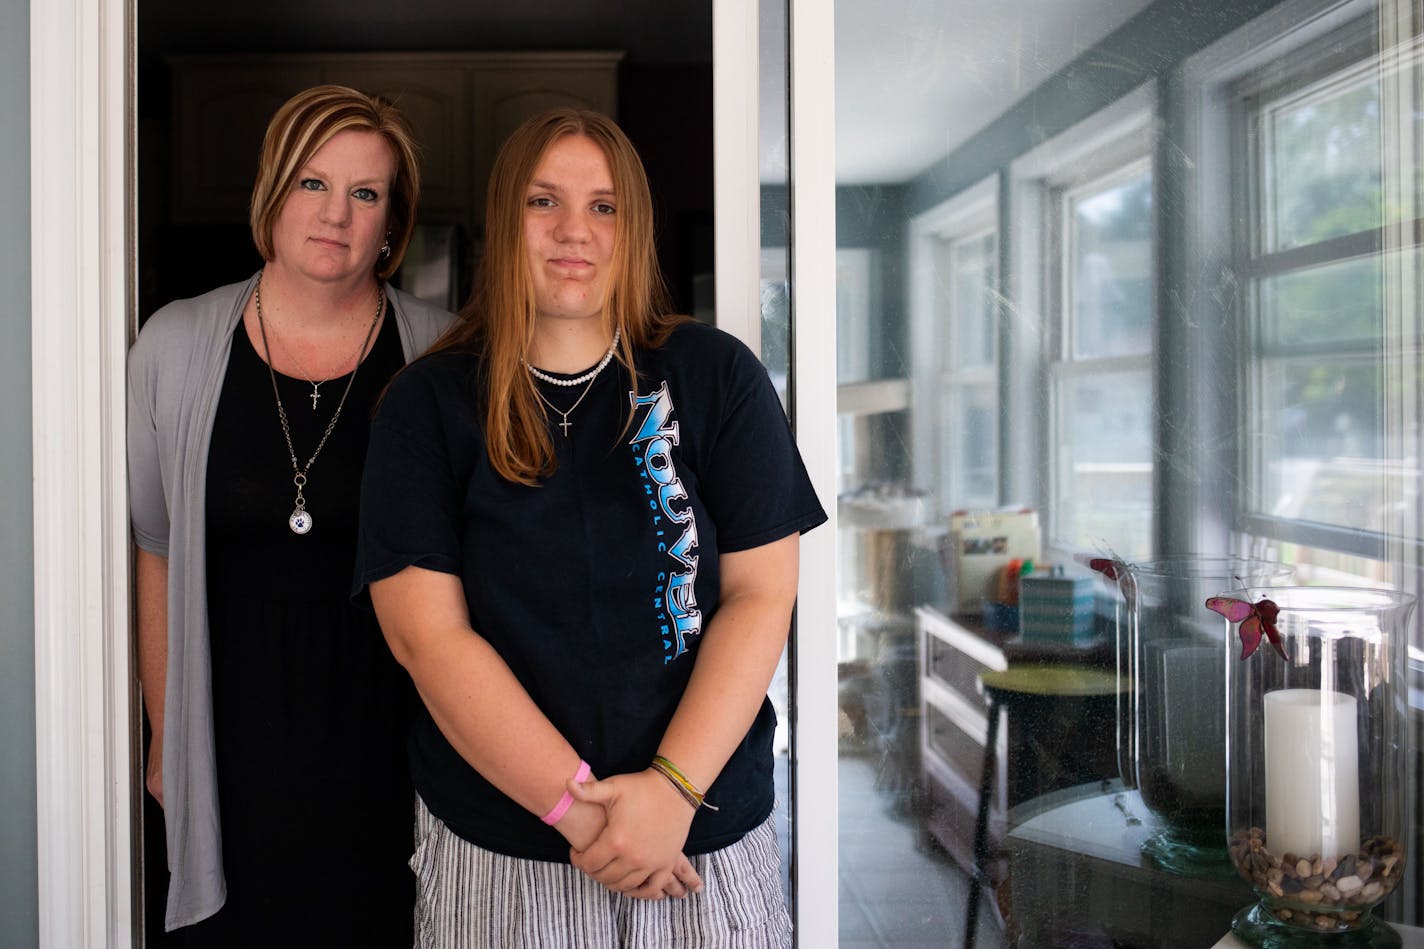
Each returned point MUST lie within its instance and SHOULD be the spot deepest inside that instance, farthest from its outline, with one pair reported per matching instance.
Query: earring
(386, 248)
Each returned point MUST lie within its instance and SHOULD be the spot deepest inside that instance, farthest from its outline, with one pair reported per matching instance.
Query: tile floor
(895, 892)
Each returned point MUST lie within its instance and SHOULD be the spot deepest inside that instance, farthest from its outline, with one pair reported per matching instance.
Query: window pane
(1335, 303)
(1103, 491)
(1322, 454)
(856, 289)
(964, 417)
(971, 444)
(973, 265)
(1322, 161)
(775, 300)
(1110, 269)
(1127, 413)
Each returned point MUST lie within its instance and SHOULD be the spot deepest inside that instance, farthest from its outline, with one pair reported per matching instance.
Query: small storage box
(980, 544)
(1055, 607)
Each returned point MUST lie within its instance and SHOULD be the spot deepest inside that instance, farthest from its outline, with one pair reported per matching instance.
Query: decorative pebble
(1326, 893)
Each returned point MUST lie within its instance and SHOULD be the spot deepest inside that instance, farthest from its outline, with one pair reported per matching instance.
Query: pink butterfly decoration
(1254, 619)
(1109, 567)
(1115, 568)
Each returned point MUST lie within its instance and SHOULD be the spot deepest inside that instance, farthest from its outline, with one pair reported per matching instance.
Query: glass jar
(1316, 769)
(1171, 717)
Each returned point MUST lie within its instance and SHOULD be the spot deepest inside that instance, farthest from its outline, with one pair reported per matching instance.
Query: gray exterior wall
(19, 910)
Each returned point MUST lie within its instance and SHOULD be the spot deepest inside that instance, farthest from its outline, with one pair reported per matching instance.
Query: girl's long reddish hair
(498, 322)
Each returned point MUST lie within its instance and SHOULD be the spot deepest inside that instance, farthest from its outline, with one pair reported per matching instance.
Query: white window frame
(1263, 52)
(1314, 59)
(1066, 192)
(968, 215)
(957, 381)
(1063, 366)
(1122, 135)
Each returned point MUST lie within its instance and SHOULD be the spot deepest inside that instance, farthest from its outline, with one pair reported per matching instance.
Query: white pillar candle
(1312, 773)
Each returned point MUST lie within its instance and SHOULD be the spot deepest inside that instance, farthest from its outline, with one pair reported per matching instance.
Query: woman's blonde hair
(305, 123)
(498, 322)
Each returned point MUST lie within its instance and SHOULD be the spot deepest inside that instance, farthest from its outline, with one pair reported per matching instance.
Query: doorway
(206, 85)
(84, 67)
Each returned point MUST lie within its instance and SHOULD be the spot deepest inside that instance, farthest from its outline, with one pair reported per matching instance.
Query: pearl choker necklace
(586, 377)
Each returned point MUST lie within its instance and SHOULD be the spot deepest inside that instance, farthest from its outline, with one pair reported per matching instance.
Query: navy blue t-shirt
(596, 585)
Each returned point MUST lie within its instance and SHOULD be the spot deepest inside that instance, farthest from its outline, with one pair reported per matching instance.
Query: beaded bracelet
(565, 802)
(689, 791)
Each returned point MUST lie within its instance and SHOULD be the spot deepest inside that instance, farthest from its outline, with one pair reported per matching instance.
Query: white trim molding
(79, 69)
(813, 346)
(736, 182)
(973, 210)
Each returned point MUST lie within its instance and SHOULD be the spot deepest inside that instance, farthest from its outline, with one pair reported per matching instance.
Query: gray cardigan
(175, 375)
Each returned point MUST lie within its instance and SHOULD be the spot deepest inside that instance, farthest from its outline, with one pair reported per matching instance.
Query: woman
(278, 714)
(579, 530)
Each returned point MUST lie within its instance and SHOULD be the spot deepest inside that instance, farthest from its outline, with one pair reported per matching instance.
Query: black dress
(310, 709)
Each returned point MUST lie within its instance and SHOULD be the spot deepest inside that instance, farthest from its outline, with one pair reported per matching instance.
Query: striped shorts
(471, 898)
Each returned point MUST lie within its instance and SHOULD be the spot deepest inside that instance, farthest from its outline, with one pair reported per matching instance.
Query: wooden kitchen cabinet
(461, 105)
(1044, 744)
(435, 98)
(220, 111)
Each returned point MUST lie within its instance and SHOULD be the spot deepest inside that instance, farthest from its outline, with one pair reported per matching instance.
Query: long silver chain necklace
(587, 377)
(301, 521)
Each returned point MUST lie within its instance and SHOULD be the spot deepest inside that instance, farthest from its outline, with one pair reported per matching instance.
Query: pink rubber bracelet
(567, 801)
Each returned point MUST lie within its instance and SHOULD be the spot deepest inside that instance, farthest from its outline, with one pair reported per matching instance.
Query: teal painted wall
(19, 912)
(1144, 48)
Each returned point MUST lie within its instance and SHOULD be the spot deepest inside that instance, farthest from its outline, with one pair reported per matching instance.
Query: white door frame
(81, 161)
(79, 122)
(735, 75)
(814, 779)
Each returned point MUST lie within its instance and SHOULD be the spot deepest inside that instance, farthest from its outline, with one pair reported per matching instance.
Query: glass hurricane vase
(1316, 775)
(1171, 719)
